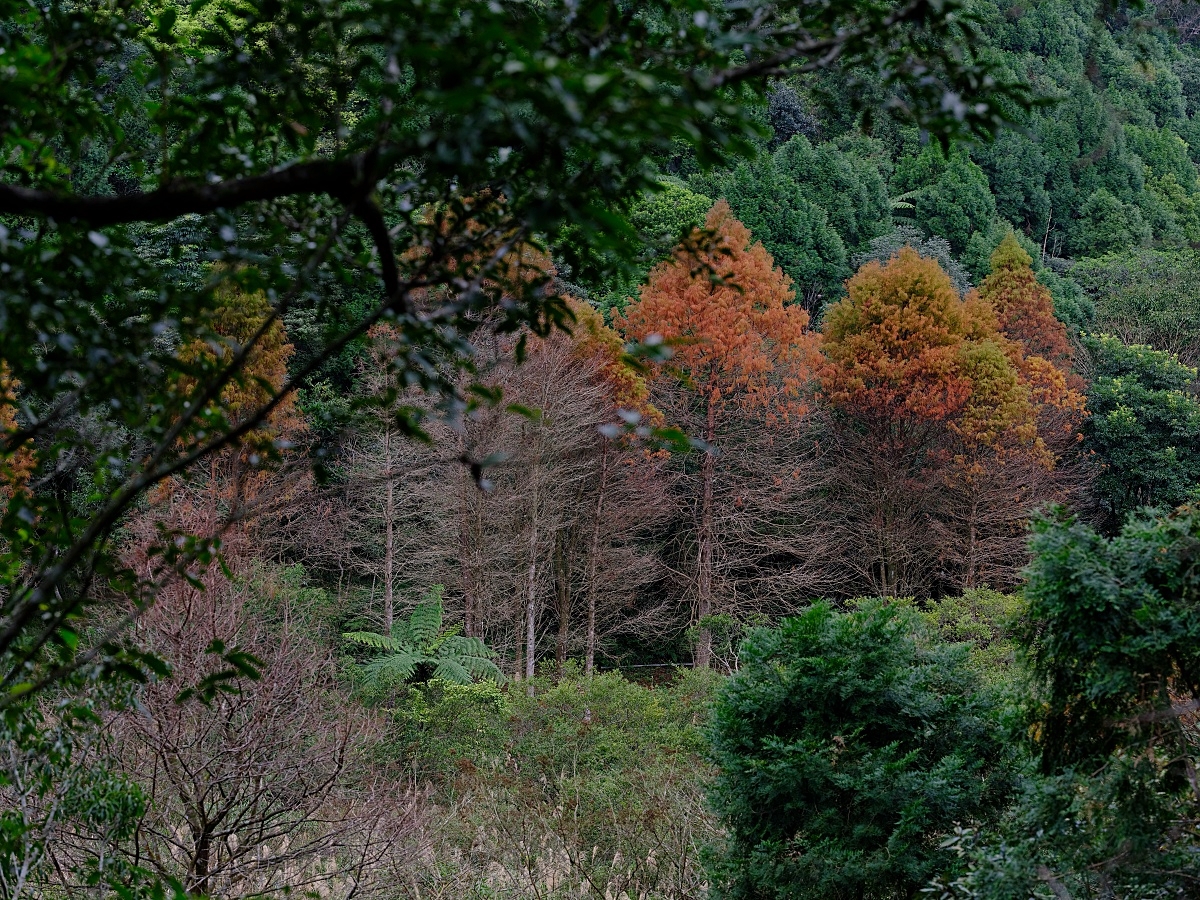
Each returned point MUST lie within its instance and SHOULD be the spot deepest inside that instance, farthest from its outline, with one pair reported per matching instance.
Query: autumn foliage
(738, 339)
(741, 359)
(1023, 305)
(940, 415)
(241, 487)
(15, 467)
(236, 319)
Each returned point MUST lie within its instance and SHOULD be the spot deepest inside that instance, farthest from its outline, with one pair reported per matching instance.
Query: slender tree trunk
(201, 861)
(589, 664)
(389, 535)
(531, 593)
(467, 548)
(972, 541)
(704, 568)
(562, 594)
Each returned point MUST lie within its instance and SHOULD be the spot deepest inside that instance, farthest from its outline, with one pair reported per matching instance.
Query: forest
(616, 449)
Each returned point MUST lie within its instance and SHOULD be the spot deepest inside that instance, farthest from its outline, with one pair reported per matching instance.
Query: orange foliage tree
(16, 466)
(1023, 305)
(741, 353)
(935, 412)
(240, 482)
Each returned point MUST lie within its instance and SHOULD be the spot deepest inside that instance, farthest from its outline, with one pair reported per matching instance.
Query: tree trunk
(389, 535)
(531, 594)
(589, 664)
(704, 567)
(972, 542)
(201, 861)
(562, 596)
(467, 547)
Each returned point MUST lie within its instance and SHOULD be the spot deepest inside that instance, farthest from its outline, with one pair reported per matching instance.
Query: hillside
(647, 450)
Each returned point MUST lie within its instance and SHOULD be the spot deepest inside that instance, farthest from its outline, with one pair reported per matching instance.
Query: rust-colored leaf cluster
(727, 311)
(15, 467)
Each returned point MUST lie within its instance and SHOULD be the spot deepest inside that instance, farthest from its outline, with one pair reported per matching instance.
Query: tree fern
(418, 649)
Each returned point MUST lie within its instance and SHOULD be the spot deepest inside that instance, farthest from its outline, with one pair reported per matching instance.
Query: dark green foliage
(1017, 170)
(662, 218)
(1106, 223)
(419, 650)
(1143, 427)
(1147, 297)
(789, 116)
(846, 185)
(1072, 306)
(796, 232)
(951, 197)
(1113, 643)
(848, 745)
(1114, 637)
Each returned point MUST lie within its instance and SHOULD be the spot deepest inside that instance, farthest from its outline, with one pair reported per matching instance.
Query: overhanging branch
(348, 180)
(344, 179)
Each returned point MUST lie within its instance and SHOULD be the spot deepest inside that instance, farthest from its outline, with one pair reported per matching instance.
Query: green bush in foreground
(1112, 642)
(849, 746)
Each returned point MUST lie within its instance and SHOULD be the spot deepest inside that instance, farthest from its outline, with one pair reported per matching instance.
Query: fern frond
(460, 645)
(453, 671)
(425, 623)
(397, 667)
(375, 641)
(402, 634)
(901, 202)
(479, 667)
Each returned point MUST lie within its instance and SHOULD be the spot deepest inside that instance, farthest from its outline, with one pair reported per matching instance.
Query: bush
(442, 730)
(848, 746)
(596, 782)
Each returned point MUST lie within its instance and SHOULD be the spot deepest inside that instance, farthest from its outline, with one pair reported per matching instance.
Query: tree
(741, 352)
(419, 649)
(1143, 428)
(848, 187)
(884, 247)
(1147, 297)
(400, 507)
(796, 232)
(1110, 642)
(927, 403)
(262, 787)
(951, 195)
(222, 505)
(239, 320)
(627, 494)
(1024, 307)
(789, 116)
(1106, 224)
(321, 179)
(849, 745)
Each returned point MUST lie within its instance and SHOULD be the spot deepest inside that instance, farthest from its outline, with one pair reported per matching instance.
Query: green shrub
(849, 745)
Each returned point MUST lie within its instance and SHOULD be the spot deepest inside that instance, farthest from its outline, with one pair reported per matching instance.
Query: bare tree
(264, 790)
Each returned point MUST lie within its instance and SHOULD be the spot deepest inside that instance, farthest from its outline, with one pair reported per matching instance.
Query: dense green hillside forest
(616, 449)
